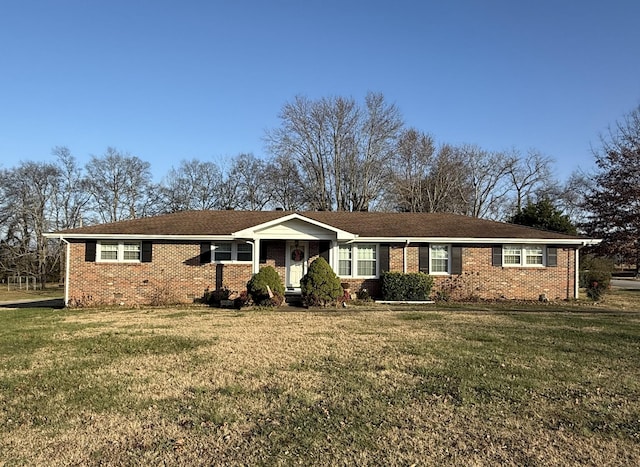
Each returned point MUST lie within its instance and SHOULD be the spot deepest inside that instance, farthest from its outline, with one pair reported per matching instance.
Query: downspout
(404, 255)
(67, 261)
(576, 284)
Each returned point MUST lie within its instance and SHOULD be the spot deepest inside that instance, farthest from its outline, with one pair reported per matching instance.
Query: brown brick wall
(176, 276)
(276, 251)
(480, 279)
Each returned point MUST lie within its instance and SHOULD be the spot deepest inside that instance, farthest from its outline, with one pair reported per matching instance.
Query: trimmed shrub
(215, 297)
(411, 286)
(597, 283)
(320, 285)
(595, 275)
(259, 285)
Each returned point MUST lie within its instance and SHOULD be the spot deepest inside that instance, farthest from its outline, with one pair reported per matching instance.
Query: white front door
(296, 263)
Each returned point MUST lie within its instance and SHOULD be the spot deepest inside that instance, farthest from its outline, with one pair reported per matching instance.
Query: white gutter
(485, 240)
(139, 237)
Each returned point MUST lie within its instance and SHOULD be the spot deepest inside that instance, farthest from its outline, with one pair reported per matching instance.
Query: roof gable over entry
(295, 226)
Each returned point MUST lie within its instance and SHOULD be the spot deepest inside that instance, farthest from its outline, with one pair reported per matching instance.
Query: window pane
(132, 251)
(109, 251)
(511, 254)
(366, 268)
(439, 258)
(222, 251)
(534, 255)
(344, 261)
(366, 260)
(245, 252)
(366, 252)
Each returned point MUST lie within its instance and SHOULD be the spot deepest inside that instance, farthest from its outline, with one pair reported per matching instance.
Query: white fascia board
(251, 232)
(139, 237)
(497, 241)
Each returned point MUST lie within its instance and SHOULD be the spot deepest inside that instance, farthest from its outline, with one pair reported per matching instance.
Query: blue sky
(172, 80)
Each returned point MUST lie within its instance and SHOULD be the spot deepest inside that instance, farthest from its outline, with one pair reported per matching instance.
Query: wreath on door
(297, 254)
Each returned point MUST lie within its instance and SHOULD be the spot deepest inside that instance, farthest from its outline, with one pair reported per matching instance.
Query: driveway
(630, 284)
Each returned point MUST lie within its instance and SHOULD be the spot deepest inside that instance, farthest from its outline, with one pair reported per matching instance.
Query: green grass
(425, 386)
(49, 292)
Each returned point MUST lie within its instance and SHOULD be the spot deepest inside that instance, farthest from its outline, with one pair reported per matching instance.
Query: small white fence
(23, 283)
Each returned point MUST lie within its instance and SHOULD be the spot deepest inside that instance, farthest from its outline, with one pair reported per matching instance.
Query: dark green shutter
(423, 258)
(147, 251)
(205, 252)
(263, 251)
(497, 256)
(324, 247)
(456, 260)
(90, 247)
(552, 257)
(384, 258)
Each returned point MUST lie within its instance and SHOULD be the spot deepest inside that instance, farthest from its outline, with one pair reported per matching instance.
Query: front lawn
(200, 386)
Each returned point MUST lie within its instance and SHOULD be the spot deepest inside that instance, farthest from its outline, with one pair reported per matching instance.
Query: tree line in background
(327, 154)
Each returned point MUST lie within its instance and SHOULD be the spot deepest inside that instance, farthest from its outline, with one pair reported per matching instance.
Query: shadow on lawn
(39, 303)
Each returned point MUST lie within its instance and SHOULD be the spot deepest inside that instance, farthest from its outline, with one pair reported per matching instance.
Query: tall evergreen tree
(544, 215)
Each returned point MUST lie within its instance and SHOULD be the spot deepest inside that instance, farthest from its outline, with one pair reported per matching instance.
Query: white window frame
(234, 253)
(524, 253)
(120, 251)
(354, 259)
(439, 246)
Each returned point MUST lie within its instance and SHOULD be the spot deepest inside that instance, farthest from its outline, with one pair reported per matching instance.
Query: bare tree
(378, 133)
(445, 186)
(528, 175)
(26, 213)
(412, 162)
(71, 195)
(120, 185)
(284, 184)
(193, 185)
(252, 184)
(572, 198)
(341, 149)
(487, 180)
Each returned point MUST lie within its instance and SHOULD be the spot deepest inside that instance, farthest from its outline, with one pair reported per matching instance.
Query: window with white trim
(344, 260)
(439, 259)
(229, 251)
(127, 252)
(367, 260)
(523, 255)
(358, 260)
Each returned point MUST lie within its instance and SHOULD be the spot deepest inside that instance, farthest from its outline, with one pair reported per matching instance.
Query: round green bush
(259, 285)
(320, 285)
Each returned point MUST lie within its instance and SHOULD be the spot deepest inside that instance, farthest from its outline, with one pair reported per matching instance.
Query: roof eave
(486, 240)
(80, 236)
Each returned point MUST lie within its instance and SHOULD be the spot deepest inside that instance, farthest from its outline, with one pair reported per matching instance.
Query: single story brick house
(176, 257)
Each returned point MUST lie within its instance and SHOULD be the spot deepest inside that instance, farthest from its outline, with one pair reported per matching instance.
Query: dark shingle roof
(364, 224)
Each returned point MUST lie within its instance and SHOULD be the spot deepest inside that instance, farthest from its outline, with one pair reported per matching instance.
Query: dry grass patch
(193, 386)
